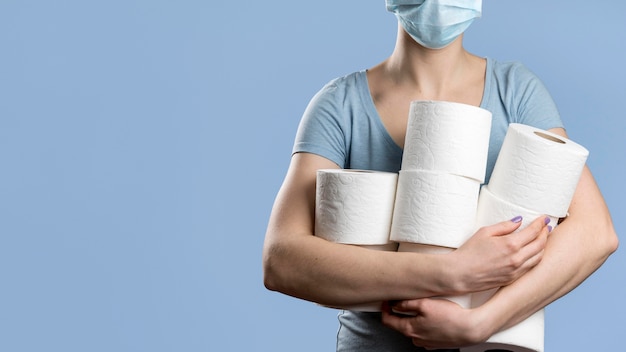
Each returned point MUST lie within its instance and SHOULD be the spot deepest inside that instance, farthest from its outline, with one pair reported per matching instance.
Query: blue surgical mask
(435, 23)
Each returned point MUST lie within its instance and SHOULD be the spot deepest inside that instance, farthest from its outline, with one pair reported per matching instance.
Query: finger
(422, 344)
(410, 305)
(401, 324)
(530, 255)
(533, 252)
(533, 231)
(532, 261)
(504, 227)
(395, 308)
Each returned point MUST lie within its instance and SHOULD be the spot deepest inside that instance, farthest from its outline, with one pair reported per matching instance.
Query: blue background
(142, 144)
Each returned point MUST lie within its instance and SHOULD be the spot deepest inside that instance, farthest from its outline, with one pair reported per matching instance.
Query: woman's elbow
(607, 238)
(269, 275)
(270, 278)
(272, 268)
(612, 242)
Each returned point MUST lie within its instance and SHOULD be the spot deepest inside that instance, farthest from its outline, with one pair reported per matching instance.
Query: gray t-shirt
(341, 124)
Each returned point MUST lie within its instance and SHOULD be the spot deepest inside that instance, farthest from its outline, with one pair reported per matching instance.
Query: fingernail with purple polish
(549, 228)
(546, 220)
(517, 219)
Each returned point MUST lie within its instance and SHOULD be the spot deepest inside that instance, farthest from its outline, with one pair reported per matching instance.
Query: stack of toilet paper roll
(443, 166)
(355, 207)
(536, 174)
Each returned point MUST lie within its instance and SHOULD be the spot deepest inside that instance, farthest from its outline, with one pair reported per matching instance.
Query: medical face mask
(435, 23)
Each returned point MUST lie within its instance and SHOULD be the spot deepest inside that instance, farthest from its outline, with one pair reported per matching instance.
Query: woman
(359, 121)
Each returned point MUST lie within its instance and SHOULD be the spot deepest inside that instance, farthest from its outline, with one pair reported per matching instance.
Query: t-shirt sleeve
(535, 105)
(321, 130)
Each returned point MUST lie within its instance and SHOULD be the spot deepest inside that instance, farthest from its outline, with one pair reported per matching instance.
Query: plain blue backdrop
(142, 144)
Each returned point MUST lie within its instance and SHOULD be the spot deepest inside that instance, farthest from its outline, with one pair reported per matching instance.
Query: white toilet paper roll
(462, 300)
(354, 206)
(447, 137)
(527, 336)
(537, 170)
(434, 208)
(493, 209)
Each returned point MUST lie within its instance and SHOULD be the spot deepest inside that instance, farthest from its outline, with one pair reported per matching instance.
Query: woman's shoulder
(343, 90)
(346, 82)
(510, 71)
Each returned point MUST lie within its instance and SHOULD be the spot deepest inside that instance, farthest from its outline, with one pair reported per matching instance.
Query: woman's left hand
(435, 323)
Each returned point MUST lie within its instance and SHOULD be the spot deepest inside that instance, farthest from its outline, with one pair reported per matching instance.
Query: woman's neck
(432, 73)
(413, 72)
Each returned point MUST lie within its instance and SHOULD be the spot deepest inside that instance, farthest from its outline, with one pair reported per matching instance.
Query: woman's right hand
(497, 255)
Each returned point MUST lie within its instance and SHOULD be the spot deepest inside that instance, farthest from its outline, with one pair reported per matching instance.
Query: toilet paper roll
(434, 208)
(371, 306)
(462, 300)
(354, 206)
(537, 170)
(493, 209)
(447, 137)
(527, 336)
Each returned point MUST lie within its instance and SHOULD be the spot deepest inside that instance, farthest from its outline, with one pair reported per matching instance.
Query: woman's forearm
(301, 265)
(575, 249)
(297, 263)
(337, 275)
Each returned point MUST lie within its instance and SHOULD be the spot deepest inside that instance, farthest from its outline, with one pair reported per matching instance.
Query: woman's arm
(301, 265)
(575, 249)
